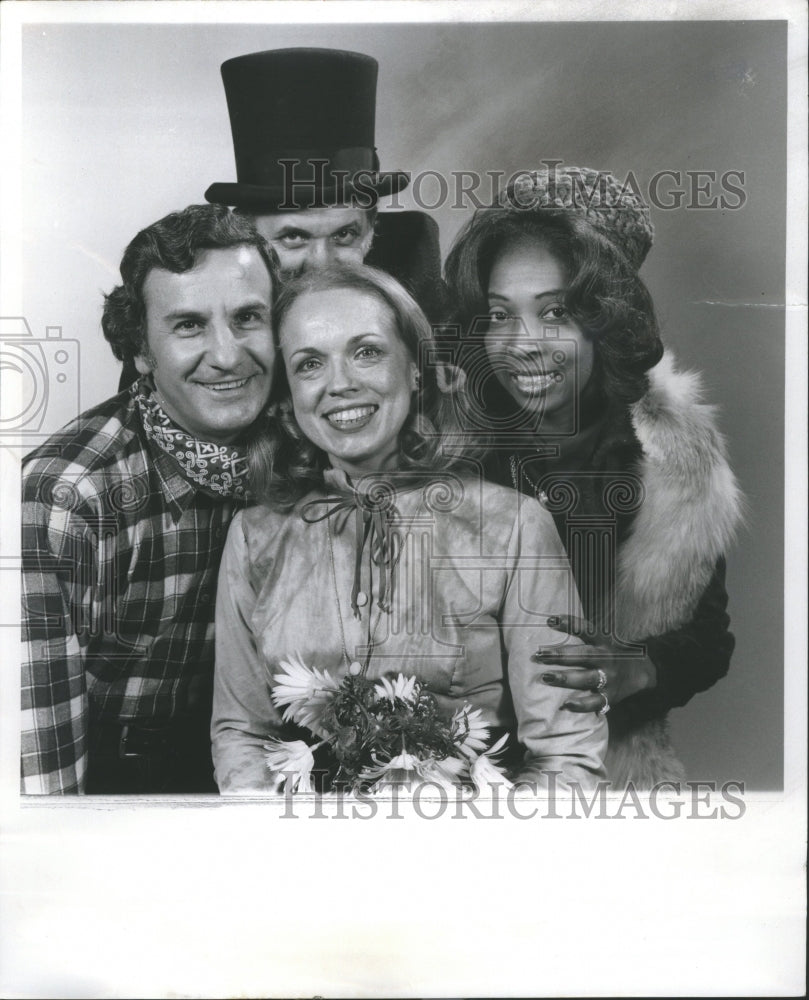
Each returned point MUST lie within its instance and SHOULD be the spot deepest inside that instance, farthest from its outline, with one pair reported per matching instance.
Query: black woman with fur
(581, 407)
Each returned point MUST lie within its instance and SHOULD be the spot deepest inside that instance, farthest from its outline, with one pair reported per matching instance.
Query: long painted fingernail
(542, 652)
(550, 678)
(554, 620)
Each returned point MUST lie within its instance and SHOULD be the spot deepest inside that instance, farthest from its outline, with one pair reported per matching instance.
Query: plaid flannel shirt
(120, 554)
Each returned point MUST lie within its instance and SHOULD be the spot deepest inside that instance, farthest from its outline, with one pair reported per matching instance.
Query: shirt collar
(178, 492)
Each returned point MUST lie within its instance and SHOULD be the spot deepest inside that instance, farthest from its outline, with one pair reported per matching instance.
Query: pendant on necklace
(362, 599)
(355, 668)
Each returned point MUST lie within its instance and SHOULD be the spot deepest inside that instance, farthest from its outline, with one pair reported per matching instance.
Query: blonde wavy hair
(285, 465)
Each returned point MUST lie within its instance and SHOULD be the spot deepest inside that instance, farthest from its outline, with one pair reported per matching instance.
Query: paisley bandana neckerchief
(220, 470)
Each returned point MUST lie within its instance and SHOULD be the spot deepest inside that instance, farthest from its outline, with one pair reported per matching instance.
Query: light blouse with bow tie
(451, 578)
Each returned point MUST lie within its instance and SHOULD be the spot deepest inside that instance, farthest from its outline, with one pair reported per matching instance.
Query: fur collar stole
(691, 509)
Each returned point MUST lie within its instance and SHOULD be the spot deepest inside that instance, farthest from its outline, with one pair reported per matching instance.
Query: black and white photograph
(403, 438)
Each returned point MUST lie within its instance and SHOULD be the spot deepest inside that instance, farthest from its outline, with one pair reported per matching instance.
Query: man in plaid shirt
(125, 513)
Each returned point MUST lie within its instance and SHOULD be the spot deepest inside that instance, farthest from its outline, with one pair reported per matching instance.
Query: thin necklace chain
(539, 493)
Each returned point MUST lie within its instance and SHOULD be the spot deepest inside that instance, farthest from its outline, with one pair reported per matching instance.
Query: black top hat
(303, 131)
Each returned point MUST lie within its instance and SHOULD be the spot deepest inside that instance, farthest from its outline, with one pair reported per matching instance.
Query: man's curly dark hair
(173, 243)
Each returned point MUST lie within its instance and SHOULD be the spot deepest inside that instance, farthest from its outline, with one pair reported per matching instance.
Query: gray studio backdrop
(125, 123)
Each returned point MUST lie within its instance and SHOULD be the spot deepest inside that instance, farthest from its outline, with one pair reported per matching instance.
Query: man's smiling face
(209, 342)
(315, 237)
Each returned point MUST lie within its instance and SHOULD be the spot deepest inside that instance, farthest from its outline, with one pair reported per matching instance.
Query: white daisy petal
(498, 746)
(446, 772)
(400, 687)
(485, 773)
(293, 761)
(408, 769)
(473, 730)
(399, 770)
(304, 693)
(300, 683)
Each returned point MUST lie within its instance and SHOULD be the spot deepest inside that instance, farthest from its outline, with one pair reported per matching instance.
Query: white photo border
(193, 898)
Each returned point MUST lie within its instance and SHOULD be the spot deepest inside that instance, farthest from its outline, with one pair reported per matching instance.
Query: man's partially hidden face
(209, 341)
(314, 237)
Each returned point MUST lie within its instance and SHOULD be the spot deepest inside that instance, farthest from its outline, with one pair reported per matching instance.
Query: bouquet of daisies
(380, 732)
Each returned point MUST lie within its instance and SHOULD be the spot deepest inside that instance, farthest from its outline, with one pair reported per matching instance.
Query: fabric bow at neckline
(371, 519)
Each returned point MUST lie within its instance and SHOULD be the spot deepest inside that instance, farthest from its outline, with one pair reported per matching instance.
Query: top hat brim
(256, 196)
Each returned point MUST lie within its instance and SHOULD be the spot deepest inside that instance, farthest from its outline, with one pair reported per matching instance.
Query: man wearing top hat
(307, 169)
(303, 126)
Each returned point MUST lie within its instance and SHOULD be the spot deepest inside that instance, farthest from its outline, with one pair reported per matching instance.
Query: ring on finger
(602, 680)
(605, 707)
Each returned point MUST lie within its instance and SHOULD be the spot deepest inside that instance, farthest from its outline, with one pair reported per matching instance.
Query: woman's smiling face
(350, 375)
(536, 350)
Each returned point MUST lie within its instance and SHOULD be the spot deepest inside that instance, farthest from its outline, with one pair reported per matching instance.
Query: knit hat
(614, 209)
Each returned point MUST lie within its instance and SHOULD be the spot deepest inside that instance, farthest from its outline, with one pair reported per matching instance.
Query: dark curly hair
(173, 243)
(284, 464)
(604, 295)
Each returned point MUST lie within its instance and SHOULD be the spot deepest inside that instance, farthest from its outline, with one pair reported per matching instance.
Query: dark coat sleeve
(406, 245)
(688, 659)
